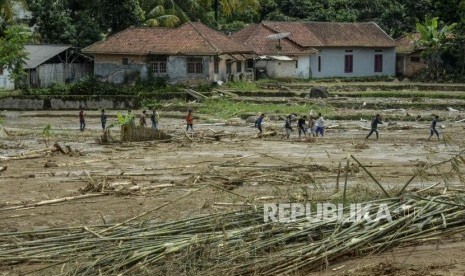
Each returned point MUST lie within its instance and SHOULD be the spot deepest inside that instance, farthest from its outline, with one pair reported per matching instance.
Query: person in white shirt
(320, 125)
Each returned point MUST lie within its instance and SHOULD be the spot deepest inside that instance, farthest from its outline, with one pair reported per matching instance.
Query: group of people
(130, 119)
(314, 128)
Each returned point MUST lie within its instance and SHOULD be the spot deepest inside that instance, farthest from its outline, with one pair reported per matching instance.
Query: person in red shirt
(190, 121)
(82, 121)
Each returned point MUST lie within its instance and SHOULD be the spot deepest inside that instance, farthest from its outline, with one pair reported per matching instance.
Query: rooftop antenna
(278, 37)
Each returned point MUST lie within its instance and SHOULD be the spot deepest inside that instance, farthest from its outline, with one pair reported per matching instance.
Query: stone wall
(12, 103)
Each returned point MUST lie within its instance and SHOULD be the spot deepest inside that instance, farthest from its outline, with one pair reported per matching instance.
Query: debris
(195, 94)
(318, 92)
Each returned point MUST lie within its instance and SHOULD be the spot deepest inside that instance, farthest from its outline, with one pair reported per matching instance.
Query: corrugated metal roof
(38, 54)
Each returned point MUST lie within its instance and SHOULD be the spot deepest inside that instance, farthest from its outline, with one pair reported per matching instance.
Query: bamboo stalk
(371, 176)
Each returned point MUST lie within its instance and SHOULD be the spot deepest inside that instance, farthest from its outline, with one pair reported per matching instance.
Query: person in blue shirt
(258, 124)
(433, 127)
(374, 126)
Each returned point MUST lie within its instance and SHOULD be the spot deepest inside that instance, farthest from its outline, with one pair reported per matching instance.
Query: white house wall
(332, 62)
(278, 69)
(303, 67)
(5, 82)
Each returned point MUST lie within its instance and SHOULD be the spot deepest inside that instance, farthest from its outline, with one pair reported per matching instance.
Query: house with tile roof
(409, 60)
(323, 49)
(190, 53)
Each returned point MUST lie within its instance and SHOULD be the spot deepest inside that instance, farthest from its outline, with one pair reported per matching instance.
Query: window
(239, 66)
(249, 63)
(349, 51)
(125, 61)
(378, 51)
(319, 63)
(194, 65)
(296, 64)
(1, 71)
(216, 66)
(348, 63)
(415, 59)
(228, 67)
(158, 64)
(378, 63)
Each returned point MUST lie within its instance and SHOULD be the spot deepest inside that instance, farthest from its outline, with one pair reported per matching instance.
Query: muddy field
(99, 184)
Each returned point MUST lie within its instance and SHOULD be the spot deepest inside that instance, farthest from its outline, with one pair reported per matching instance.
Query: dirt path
(265, 170)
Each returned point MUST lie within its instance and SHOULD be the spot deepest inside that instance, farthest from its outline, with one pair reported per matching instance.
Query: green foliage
(434, 40)
(12, 53)
(226, 109)
(242, 86)
(53, 21)
(6, 9)
(119, 15)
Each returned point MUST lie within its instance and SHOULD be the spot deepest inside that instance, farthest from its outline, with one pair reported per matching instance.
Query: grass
(404, 94)
(242, 85)
(226, 109)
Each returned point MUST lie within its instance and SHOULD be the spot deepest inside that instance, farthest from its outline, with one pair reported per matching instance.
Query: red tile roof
(318, 34)
(192, 38)
(256, 36)
(406, 43)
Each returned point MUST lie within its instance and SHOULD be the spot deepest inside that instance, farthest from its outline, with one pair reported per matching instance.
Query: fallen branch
(372, 177)
(52, 201)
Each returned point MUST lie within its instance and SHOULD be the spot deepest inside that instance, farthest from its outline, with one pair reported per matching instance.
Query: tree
(434, 40)
(13, 55)
(166, 13)
(6, 9)
(114, 16)
(53, 21)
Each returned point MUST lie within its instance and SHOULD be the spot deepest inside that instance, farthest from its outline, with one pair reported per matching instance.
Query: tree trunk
(217, 9)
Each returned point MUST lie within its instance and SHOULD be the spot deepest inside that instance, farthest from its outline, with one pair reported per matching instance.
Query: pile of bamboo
(236, 243)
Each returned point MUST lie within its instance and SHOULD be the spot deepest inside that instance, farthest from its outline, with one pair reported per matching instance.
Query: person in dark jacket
(103, 119)
(374, 126)
(433, 127)
(258, 124)
(301, 125)
(288, 125)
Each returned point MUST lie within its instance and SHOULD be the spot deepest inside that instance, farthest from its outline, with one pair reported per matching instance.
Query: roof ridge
(289, 38)
(203, 36)
(257, 26)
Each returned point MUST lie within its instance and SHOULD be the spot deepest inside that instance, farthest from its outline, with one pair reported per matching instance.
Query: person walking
(103, 119)
(320, 125)
(154, 118)
(374, 126)
(433, 127)
(258, 124)
(189, 121)
(143, 118)
(311, 126)
(82, 120)
(288, 125)
(301, 126)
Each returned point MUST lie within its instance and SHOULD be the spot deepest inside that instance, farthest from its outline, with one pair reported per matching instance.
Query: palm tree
(230, 6)
(168, 13)
(433, 42)
(7, 9)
